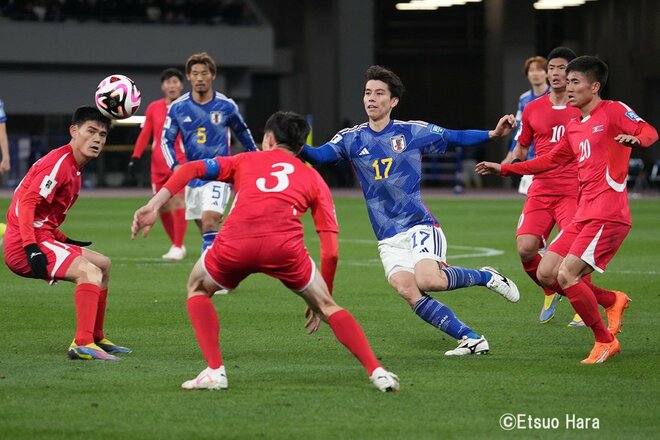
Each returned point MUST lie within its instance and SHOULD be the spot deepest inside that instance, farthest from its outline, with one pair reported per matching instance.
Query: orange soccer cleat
(615, 312)
(602, 351)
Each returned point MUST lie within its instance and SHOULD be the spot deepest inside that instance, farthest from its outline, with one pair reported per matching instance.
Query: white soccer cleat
(502, 285)
(208, 379)
(384, 380)
(469, 346)
(175, 253)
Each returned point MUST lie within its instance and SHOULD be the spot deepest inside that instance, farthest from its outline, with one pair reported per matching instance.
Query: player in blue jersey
(4, 142)
(387, 157)
(204, 118)
(535, 69)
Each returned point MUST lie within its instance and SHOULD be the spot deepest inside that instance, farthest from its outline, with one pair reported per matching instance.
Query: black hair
(380, 73)
(88, 113)
(562, 52)
(169, 73)
(592, 67)
(290, 130)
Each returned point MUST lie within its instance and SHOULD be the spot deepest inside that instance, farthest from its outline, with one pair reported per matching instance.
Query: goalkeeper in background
(36, 248)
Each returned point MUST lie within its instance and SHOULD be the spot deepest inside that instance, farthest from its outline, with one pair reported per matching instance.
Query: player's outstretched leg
(467, 346)
(502, 285)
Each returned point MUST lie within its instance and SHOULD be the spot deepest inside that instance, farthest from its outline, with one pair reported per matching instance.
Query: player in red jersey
(36, 248)
(599, 141)
(552, 195)
(263, 233)
(173, 213)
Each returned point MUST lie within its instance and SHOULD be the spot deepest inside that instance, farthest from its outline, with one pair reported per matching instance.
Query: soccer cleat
(175, 253)
(549, 306)
(502, 285)
(602, 351)
(3, 228)
(615, 312)
(89, 352)
(110, 347)
(384, 380)
(469, 346)
(577, 321)
(208, 379)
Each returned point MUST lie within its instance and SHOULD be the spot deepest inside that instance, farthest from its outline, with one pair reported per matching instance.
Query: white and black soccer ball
(117, 97)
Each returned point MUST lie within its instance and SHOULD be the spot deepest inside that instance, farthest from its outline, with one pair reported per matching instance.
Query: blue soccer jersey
(205, 129)
(3, 115)
(389, 166)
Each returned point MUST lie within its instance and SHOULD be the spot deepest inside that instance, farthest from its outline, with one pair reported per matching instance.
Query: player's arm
(519, 152)
(644, 136)
(467, 138)
(238, 126)
(168, 139)
(323, 213)
(560, 155)
(5, 164)
(144, 137)
(37, 260)
(323, 154)
(145, 217)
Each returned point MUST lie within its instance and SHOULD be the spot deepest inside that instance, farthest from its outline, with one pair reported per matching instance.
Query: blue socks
(207, 239)
(440, 316)
(458, 277)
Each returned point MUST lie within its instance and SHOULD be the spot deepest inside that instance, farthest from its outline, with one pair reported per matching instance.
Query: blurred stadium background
(461, 65)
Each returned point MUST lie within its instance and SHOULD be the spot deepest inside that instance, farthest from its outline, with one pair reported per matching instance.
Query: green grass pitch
(286, 384)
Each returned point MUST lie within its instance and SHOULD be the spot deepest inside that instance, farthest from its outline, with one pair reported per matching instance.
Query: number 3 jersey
(205, 129)
(389, 165)
(273, 190)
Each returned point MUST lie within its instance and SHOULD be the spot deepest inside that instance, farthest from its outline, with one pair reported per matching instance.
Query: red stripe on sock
(100, 315)
(584, 302)
(206, 324)
(180, 226)
(86, 299)
(348, 332)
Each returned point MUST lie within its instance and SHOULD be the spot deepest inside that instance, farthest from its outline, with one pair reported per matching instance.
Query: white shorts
(212, 196)
(405, 249)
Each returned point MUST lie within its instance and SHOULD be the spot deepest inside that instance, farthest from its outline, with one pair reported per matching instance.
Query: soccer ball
(117, 97)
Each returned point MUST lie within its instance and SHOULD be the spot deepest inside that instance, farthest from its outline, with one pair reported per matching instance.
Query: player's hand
(132, 165)
(4, 165)
(78, 243)
(628, 140)
(143, 219)
(504, 126)
(37, 260)
(485, 168)
(313, 321)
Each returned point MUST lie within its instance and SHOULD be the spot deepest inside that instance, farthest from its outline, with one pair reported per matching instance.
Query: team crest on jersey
(633, 116)
(216, 118)
(398, 143)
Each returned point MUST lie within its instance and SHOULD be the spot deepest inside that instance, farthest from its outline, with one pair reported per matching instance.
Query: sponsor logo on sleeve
(436, 129)
(633, 116)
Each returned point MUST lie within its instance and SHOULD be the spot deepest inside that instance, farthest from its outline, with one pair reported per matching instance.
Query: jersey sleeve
(323, 207)
(628, 122)
(561, 154)
(238, 125)
(170, 132)
(145, 134)
(431, 138)
(330, 152)
(525, 135)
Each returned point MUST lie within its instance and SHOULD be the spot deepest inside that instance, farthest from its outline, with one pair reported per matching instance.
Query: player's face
(200, 78)
(88, 139)
(536, 75)
(581, 91)
(172, 88)
(378, 101)
(557, 73)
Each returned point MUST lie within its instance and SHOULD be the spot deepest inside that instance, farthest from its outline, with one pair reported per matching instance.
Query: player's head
(201, 70)
(382, 92)
(171, 83)
(89, 131)
(535, 69)
(558, 59)
(587, 76)
(285, 130)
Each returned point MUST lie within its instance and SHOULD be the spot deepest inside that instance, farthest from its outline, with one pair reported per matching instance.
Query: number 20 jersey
(389, 165)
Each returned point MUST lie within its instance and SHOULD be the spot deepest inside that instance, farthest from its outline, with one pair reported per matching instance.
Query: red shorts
(540, 214)
(228, 262)
(160, 172)
(59, 256)
(594, 241)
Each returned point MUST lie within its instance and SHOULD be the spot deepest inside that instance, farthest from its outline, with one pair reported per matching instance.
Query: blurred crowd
(209, 12)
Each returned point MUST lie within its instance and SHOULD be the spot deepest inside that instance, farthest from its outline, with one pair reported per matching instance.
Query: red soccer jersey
(56, 178)
(153, 129)
(291, 188)
(602, 161)
(544, 124)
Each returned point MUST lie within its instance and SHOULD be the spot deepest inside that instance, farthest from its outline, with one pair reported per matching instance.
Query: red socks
(584, 302)
(86, 299)
(100, 315)
(167, 219)
(180, 225)
(348, 332)
(604, 297)
(207, 328)
(530, 268)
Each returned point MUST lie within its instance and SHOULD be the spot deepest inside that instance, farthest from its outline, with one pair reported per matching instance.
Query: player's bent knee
(89, 273)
